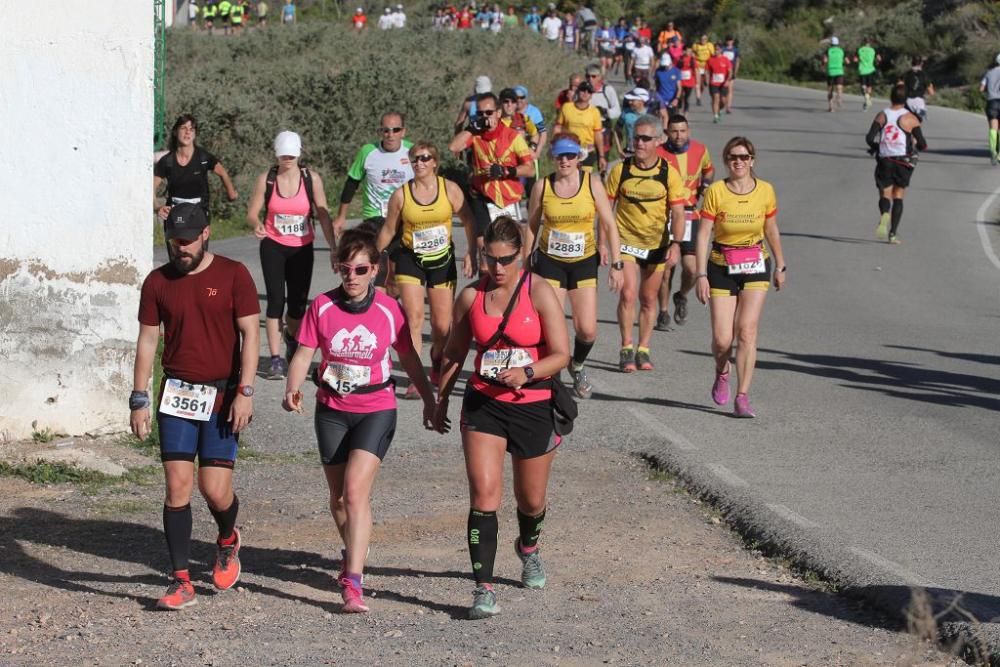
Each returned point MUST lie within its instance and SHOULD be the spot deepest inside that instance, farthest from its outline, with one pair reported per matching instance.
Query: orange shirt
(692, 165)
(506, 147)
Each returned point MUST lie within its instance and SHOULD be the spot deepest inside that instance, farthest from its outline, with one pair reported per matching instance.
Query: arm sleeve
(149, 309)
(918, 135)
(244, 293)
(350, 188)
(872, 135)
(308, 334)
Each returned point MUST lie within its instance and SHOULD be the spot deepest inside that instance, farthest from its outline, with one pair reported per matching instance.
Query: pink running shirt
(356, 345)
(288, 221)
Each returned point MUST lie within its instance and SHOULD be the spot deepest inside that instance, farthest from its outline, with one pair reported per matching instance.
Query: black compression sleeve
(872, 134)
(918, 135)
(350, 187)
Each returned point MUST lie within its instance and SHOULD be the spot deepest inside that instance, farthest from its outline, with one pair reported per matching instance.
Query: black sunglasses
(567, 156)
(487, 112)
(390, 130)
(522, 97)
(740, 157)
(502, 261)
(644, 138)
(426, 157)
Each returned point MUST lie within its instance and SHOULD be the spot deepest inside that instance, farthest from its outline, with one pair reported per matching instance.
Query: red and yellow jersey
(503, 146)
(692, 165)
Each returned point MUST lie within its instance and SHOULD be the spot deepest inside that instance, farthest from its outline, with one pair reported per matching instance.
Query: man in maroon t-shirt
(205, 303)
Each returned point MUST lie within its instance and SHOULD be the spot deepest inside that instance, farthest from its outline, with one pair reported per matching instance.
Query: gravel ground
(640, 573)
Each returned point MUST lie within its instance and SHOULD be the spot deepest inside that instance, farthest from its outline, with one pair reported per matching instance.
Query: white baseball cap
(640, 94)
(835, 40)
(666, 60)
(287, 143)
(483, 84)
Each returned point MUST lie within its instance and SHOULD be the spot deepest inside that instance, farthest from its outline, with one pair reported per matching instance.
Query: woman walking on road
(421, 212)
(507, 402)
(568, 254)
(734, 268)
(354, 326)
(291, 197)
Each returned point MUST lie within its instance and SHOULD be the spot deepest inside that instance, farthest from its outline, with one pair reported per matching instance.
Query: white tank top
(893, 143)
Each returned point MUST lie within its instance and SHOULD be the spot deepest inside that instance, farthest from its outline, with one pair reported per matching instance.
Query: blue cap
(564, 145)
(521, 91)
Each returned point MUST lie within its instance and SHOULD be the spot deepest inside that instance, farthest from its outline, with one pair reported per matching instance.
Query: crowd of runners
(630, 190)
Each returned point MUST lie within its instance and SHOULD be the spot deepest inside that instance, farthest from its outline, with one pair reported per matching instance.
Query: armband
(138, 400)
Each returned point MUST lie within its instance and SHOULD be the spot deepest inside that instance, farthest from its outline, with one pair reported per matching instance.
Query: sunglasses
(487, 112)
(593, 76)
(739, 157)
(423, 158)
(644, 138)
(509, 100)
(359, 270)
(390, 130)
(521, 97)
(567, 156)
(502, 261)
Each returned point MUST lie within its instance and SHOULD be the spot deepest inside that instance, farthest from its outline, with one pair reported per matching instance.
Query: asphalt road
(874, 454)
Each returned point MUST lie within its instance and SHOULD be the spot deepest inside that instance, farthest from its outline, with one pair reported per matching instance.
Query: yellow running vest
(567, 232)
(427, 227)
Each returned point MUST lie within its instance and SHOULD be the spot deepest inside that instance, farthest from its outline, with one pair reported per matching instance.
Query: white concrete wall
(76, 103)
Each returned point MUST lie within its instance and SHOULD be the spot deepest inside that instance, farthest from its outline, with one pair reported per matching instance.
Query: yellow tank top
(427, 227)
(738, 220)
(567, 232)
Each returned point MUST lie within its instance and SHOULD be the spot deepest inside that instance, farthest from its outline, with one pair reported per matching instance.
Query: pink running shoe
(742, 407)
(354, 602)
(720, 388)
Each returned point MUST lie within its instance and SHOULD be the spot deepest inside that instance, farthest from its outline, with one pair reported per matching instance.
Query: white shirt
(643, 56)
(385, 21)
(398, 19)
(551, 27)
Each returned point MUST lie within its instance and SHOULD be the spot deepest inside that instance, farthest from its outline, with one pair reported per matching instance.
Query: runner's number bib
(431, 240)
(566, 244)
(510, 209)
(290, 225)
(345, 378)
(495, 361)
(718, 77)
(686, 74)
(191, 401)
(744, 261)
(641, 253)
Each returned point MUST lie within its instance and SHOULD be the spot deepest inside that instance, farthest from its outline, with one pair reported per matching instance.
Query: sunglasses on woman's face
(740, 157)
(567, 156)
(423, 158)
(359, 270)
(502, 261)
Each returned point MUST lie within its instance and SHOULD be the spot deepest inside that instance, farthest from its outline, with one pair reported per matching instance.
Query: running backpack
(661, 177)
(272, 177)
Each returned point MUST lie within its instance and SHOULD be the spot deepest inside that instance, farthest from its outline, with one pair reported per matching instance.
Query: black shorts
(591, 159)
(993, 109)
(718, 90)
(867, 80)
(689, 247)
(564, 274)
(480, 212)
(339, 432)
(723, 284)
(889, 172)
(373, 225)
(835, 80)
(440, 272)
(527, 427)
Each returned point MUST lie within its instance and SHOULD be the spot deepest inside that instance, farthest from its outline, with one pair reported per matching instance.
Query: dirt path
(639, 574)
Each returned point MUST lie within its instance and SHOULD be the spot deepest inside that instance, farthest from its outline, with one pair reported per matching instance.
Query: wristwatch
(618, 266)
(529, 372)
(783, 269)
(245, 390)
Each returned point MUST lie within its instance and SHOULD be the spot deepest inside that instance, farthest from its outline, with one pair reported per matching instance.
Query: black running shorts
(566, 275)
(441, 272)
(993, 109)
(723, 284)
(338, 432)
(527, 427)
(889, 172)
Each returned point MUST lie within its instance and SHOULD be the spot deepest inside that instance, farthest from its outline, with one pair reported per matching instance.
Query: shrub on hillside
(331, 84)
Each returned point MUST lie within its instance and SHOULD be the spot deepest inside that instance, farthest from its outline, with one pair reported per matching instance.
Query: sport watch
(245, 390)
(529, 372)
(618, 266)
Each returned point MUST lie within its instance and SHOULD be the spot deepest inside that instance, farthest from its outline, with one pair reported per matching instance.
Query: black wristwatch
(782, 269)
(618, 266)
(529, 372)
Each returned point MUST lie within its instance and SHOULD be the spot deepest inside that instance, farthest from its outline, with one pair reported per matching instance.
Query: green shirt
(382, 173)
(835, 61)
(866, 60)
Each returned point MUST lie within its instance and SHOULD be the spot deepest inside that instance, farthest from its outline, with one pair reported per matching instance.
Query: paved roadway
(874, 455)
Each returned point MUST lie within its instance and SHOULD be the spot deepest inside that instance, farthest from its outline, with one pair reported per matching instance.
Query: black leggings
(286, 265)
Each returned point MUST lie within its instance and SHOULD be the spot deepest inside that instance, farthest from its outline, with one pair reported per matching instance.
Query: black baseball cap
(508, 94)
(186, 221)
(585, 87)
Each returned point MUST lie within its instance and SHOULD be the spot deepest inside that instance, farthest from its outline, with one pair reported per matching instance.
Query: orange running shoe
(180, 594)
(227, 564)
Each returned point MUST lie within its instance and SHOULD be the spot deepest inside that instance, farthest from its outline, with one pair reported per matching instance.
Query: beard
(185, 263)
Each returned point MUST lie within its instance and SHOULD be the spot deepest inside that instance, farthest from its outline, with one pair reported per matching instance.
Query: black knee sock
(897, 215)
(580, 351)
(530, 527)
(482, 534)
(177, 527)
(226, 518)
(884, 205)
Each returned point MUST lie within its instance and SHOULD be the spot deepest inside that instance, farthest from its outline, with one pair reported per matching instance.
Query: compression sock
(291, 344)
(177, 528)
(226, 520)
(994, 141)
(897, 215)
(530, 528)
(483, 529)
(580, 351)
(884, 205)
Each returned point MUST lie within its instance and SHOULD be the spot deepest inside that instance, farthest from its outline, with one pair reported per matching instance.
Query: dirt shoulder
(639, 572)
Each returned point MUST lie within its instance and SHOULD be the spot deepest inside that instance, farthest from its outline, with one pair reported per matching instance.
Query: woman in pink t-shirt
(354, 326)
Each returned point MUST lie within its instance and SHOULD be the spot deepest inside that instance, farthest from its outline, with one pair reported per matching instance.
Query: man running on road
(990, 85)
(691, 160)
(895, 136)
(918, 87)
(719, 71)
(867, 59)
(206, 304)
(834, 61)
